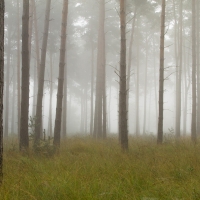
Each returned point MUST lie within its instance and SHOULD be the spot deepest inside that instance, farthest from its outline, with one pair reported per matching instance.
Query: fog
(82, 56)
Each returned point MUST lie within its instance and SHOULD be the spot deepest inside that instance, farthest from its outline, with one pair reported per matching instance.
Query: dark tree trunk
(123, 132)
(194, 106)
(2, 7)
(61, 74)
(38, 121)
(161, 82)
(24, 139)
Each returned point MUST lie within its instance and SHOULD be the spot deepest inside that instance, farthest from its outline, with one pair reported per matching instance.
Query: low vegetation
(87, 169)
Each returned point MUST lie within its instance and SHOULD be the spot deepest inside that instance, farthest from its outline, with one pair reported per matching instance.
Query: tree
(123, 131)
(2, 7)
(100, 101)
(24, 139)
(57, 127)
(161, 82)
(193, 124)
(38, 123)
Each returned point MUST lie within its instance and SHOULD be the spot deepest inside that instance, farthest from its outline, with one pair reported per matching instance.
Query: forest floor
(91, 170)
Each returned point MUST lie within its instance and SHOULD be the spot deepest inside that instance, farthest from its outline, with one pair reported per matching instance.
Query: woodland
(99, 99)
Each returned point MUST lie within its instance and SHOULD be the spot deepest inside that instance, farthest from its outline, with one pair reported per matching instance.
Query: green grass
(91, 170)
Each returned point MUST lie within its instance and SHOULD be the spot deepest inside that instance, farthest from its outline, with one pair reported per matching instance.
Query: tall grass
(87, 169)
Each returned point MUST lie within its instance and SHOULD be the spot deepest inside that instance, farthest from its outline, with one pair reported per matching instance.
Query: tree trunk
(37, 48)
(50, 93)
(64, 120)
(161, 82)
(18, 69)
(99, 122)
(137, 96)
(38, 123)
(145, 88)
(24, 139)
(130, 56)
(92, 90)
(13, 101)
(2, 7)
(193, 124)
(61, 75)
(198, 69)
(7, 86)
(123, 132)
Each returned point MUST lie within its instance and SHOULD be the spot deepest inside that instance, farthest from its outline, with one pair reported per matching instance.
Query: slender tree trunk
(13, 101)
(2, 8)
(61, 75)
(193, 124)
(161, 82)
(24, 139)
(64, 121)
(51, 93)
(198, 69)
(145, 88)
(123, 132)
(34, 90)
(187, 87)
(99, 122)
(155, 81)
(7, 86)
(37, 48)
(137, 96)
(130, 56)
(178, 79)
(18, 69)
(38, 125)
(92, 89)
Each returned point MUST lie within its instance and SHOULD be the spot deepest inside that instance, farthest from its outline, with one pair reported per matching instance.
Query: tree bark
(161, 82)
(7, 95)
(51, 93)
(24, 139)
(137, 96)
(18, 69)
(37, 48)
(123, 132)
(2, 9)
(38, 123)
(64, 121)
(92, 89)
(57, 127)
(145, 88)
(99, 122)
(193, 123)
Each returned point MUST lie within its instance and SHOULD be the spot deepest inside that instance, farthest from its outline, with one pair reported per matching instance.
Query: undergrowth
(90, 170)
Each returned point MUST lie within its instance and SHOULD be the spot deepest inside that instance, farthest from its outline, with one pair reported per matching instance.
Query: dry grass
(87, 169)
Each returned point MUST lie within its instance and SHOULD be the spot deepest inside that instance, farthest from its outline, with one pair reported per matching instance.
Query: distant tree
(100, 101)
(2, 7)
(57, 127)
(194, 106)
(38, 123)
(18, 67)
(123, 130)
(24, 138)
(161, 82)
